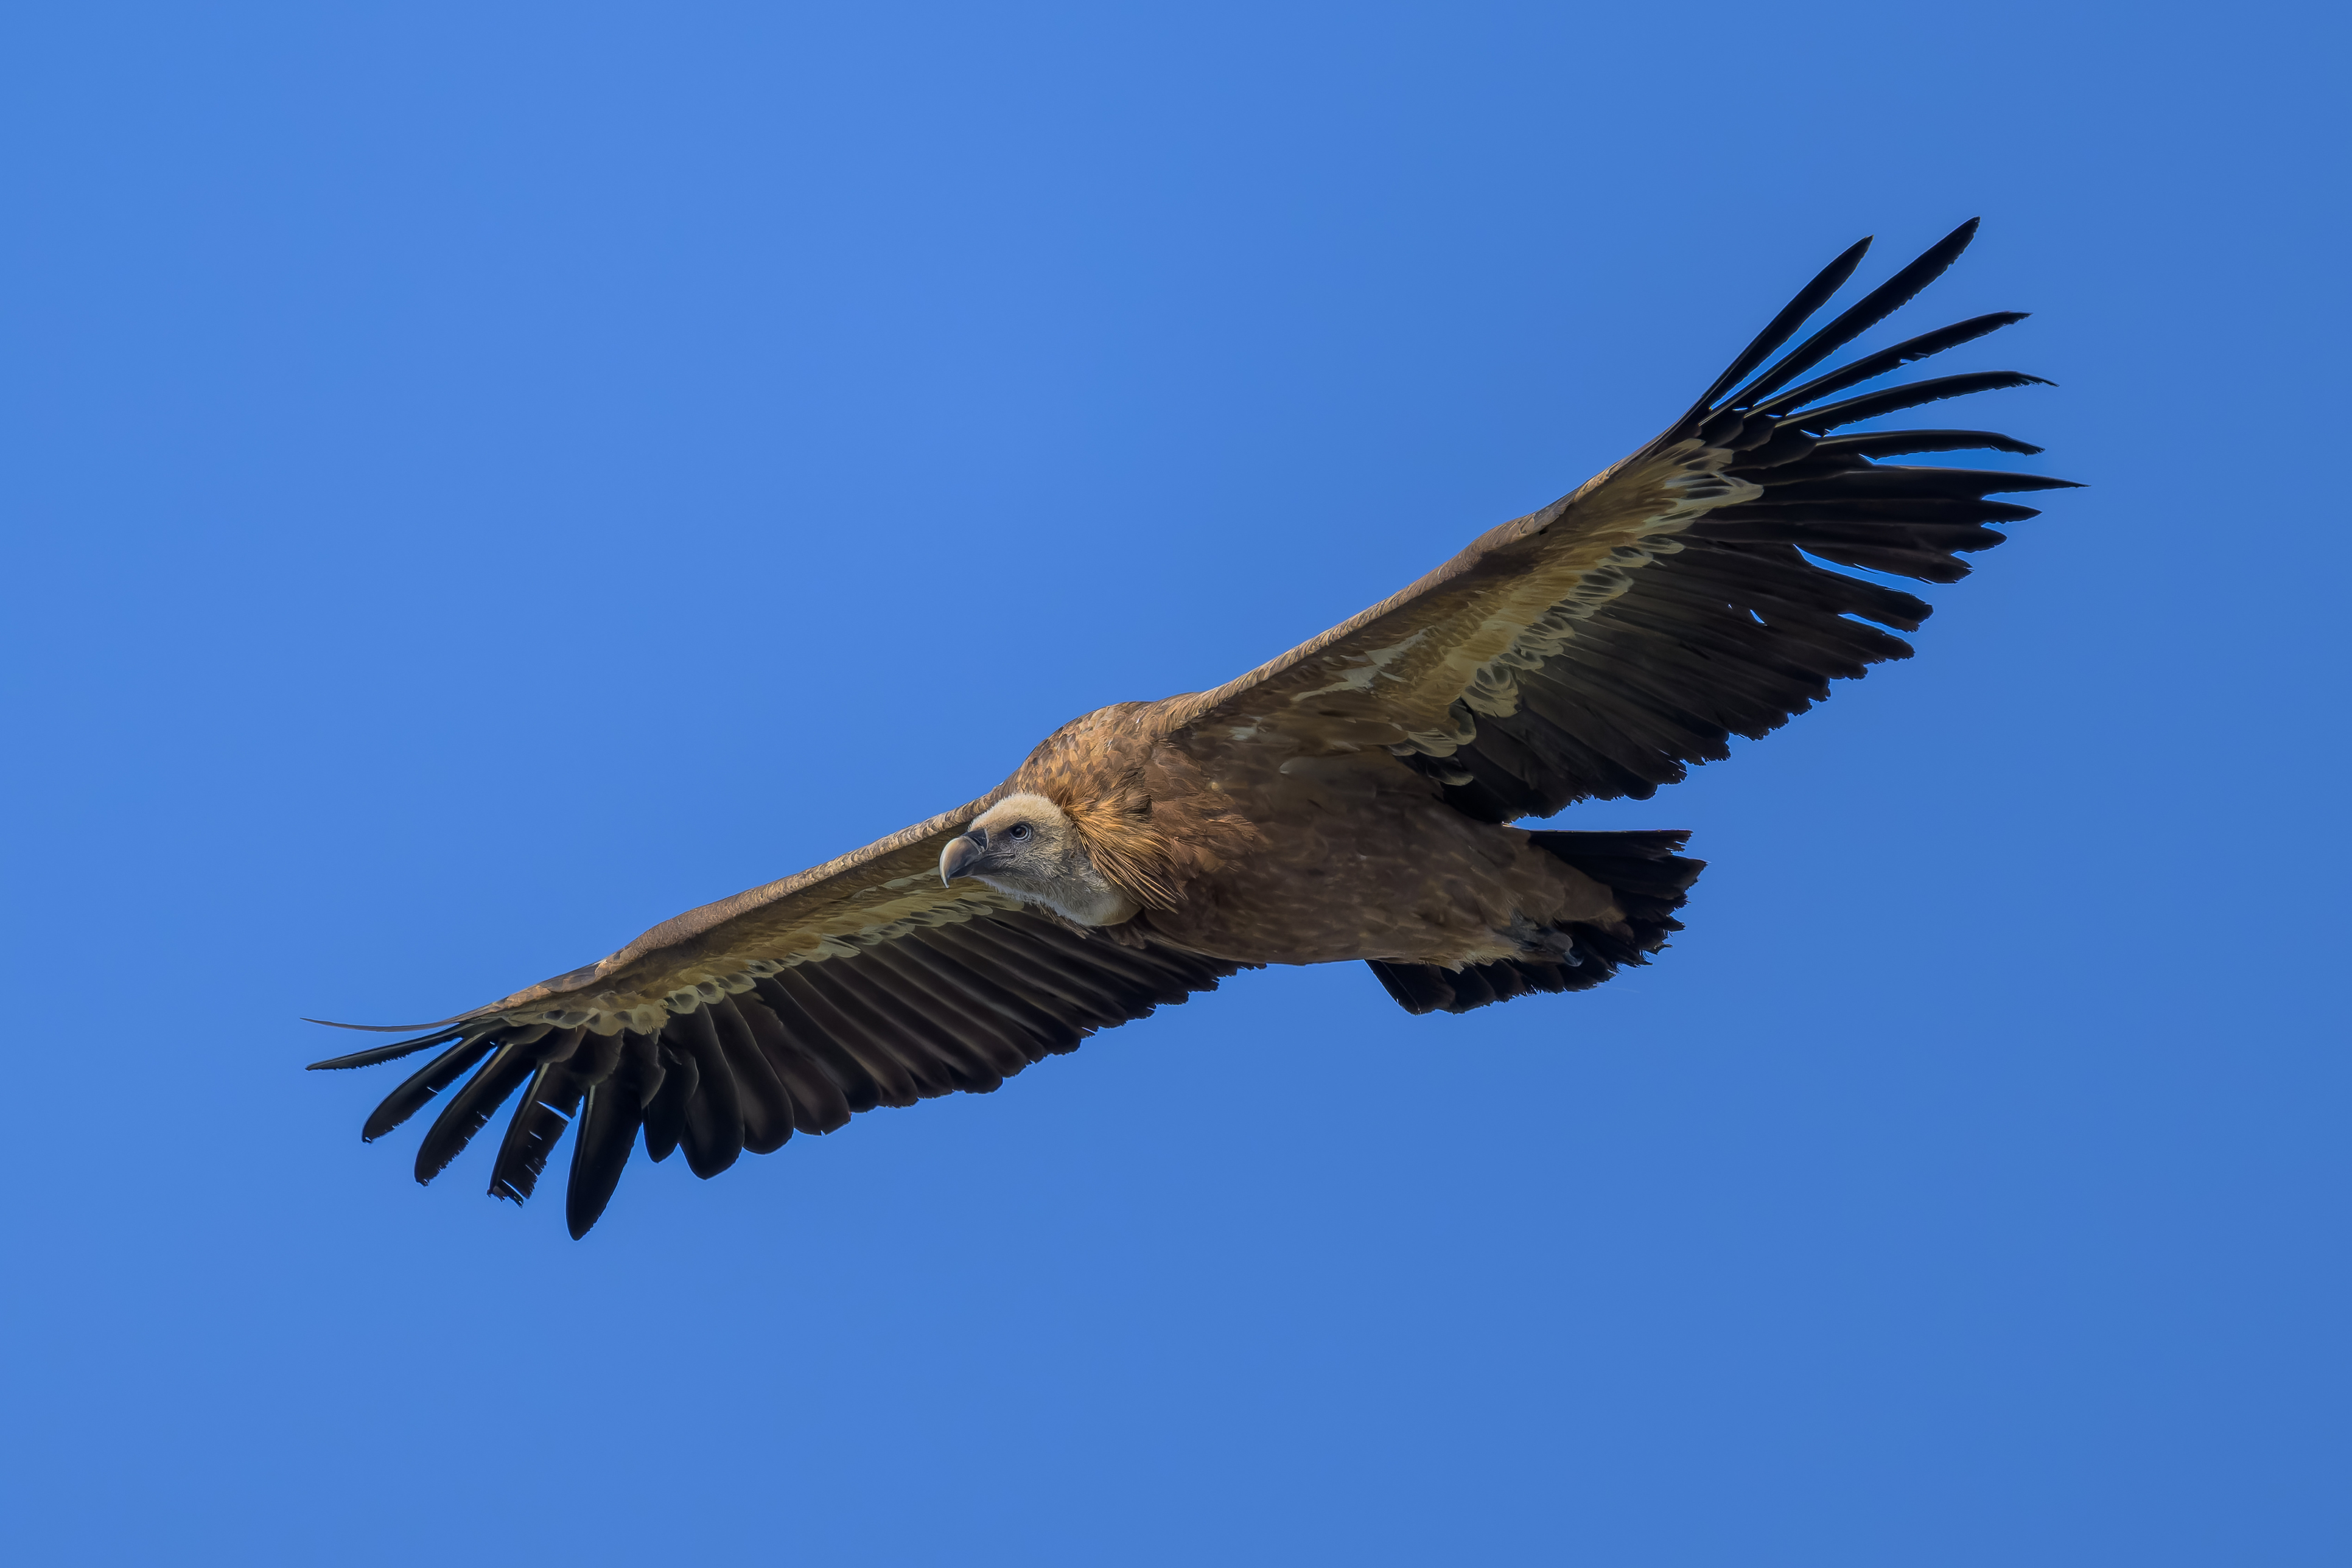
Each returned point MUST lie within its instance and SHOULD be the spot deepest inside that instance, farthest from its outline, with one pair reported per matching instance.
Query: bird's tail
(1649, 881)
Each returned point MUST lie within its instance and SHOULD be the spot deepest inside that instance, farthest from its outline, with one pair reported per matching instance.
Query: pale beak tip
(958, 854)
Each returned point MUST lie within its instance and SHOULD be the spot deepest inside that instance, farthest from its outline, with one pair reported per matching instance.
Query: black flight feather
(534, 1129)
(607, 1134)
(849, 989)
(391, 1053)
(893, 1084)
(1870, 367)
(471, 1107)
(1872, 309)
(767, 1104)
(1898, 443)
(813, 1045)
(1895, 399)
(664, 1117)
(429, 1081)
(712, 1133)
(1783, 327)
(818, 1105)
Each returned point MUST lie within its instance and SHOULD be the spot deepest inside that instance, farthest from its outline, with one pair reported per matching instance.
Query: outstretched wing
(1598, 647)
(787, 1008)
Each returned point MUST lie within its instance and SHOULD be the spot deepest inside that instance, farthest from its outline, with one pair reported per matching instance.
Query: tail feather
(1650, 882)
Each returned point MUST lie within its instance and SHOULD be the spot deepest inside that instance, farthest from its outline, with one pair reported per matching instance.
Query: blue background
(482, 478)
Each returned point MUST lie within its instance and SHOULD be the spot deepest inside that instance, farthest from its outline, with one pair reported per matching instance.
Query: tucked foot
(1545, 942)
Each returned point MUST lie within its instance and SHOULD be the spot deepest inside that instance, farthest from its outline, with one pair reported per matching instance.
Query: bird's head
(1026, 846)
(1023, 842)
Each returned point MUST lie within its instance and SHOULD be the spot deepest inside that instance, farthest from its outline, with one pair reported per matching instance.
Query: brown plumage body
(1257, 852)
(1350, 800)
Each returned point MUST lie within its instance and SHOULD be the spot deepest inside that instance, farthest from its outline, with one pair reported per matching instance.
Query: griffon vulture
(1351, 800)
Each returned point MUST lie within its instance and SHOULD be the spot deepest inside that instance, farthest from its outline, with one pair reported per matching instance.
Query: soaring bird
(1351, 800)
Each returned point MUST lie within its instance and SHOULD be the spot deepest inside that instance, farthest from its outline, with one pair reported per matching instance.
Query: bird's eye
(1020, 830)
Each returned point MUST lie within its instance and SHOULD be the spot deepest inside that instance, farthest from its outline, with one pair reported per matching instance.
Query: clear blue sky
(478, 479)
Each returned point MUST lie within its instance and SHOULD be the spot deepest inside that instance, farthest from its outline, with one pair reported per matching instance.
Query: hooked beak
(956, 859)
